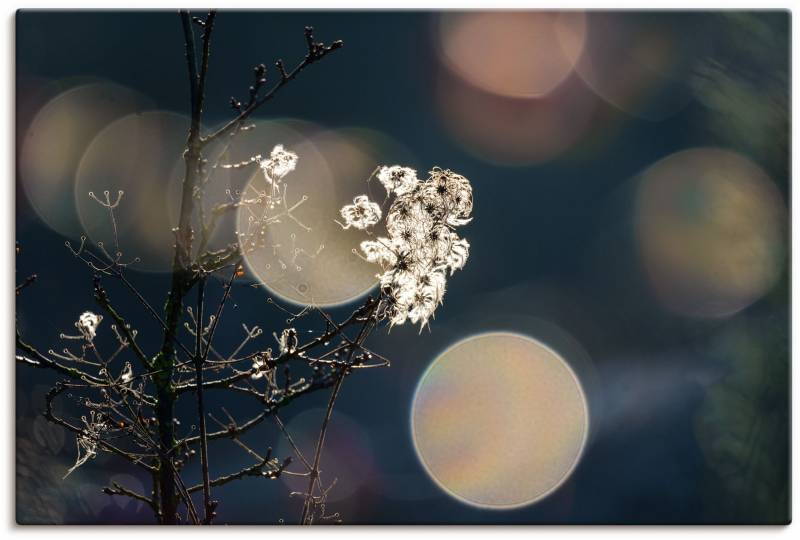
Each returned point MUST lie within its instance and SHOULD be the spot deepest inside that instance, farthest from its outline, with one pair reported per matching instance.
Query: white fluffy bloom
(362, 214)
(422, 246)
(127, 373)
(288, 341)
(88, 323)
(434, 283)
(422, 306)
(379, 251)
(261, 364)
(457, 255)
(280, 163)
(398, 180)
(455, 193)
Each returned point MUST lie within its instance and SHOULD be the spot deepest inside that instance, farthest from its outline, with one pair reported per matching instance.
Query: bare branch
(51, 416)
(341, 372)
(274, 469)
(191, 63)
(104, 302)
(28, 281)
(41, 361)
(208, 27)
(316, 51)
(117, 489)
(199, 358)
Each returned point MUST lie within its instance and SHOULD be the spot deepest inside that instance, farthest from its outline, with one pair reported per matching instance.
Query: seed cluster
(422, 248)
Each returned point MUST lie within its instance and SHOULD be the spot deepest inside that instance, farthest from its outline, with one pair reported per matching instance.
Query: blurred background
(631, 182)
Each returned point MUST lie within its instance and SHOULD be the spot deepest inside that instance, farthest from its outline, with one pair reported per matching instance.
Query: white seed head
(87, 324)
(362, 214)
(398, 180)
(422, 247)
(280, 163)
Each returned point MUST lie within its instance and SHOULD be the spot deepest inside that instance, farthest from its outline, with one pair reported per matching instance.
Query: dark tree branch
(208, 27)
(51, 416)
(142, 300)
(211, 261)
(28, 281)
(208, 507)
(316, 51)
(341, 372)
(101, 296)
(225, 296)
(290, 440)
(233, 431)
(254, 470)
(41, 361)
(182, 275)
(194, 81)
(117, 489)
(299, 352)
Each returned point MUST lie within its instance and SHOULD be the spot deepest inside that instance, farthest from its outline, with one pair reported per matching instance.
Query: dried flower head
(127, 373)
(87, 324)
(362, 214)
(86, 441)
(398, 180)
(280, 163)
(261, 364)
(422, 247)
(288, 341)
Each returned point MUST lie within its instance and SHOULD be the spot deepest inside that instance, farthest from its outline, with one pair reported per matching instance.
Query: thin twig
(208, 506)
(341, 372)
(316, 51)
(28, 281)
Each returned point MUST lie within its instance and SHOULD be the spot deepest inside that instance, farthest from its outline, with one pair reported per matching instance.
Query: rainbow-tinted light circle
(499, 420)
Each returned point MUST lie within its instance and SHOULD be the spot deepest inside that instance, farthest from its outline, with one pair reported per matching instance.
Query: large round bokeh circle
(499, 420)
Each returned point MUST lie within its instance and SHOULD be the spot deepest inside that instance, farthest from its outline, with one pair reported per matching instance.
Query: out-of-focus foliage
(743, 424)
(744, 84)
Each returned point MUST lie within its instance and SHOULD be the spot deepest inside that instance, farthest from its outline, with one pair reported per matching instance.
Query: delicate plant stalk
(307, 515)
(305, 518)
(201, 412)
(181, 275)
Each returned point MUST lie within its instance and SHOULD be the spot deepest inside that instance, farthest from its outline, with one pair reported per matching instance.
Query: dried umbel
(362, 214)
(274, 168)
(262, 364)
(87, 324)
(422, 247)
(93, 428)
(288, 341)
(280, 163)
(398, 180)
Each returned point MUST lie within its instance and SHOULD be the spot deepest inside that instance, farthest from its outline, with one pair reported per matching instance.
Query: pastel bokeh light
(638, 64)
(135, 154)
(348, 460)
(521, 54)
(499, 420)
(56, 140)
(515, 99)
(312, 262)
(710, 225)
